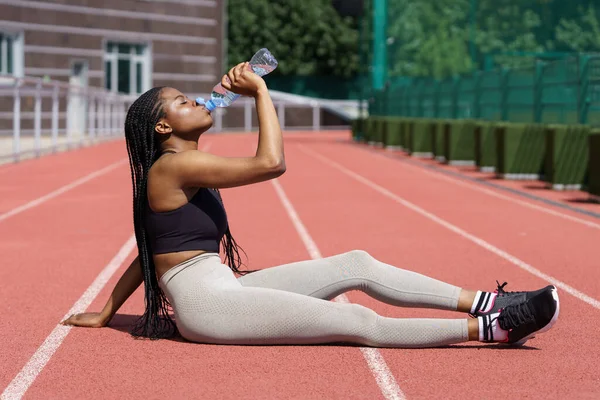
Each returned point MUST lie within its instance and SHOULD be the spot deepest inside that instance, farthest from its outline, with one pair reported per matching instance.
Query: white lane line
(383, 376)
(61, 190)
(457, 181)
(511, 199)
(480, 242)
(19, 385)
(494, 193)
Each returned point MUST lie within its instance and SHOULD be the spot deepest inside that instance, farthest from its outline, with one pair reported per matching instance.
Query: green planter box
(437, 139)
(393, 133)
(459, 142)
(485, 146)
(372, 130)
(520, 150)
(566, 158)
(378, 131)
(369, 132)
(366, 130)
(593, 185)
(419, 138)
(405, 133)
(358, 128)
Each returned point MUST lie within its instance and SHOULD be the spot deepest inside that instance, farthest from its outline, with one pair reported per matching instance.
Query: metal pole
(504, 94)
(82, 126)
(114, 116)
(100, 116)
(247, 116)
(107, 116)
(477, 95)
(219, 119)
(69, 117)
(362, 72)
(583, 98)
(37, 115)
(55, 108)
(379, 44)
(538, 92)
(91, 116)
(316, 116)
(281, 114)
(17, 121)
(124, 116)
(455, 90)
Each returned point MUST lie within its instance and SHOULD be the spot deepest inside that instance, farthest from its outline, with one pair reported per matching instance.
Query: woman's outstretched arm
(193, 168)
(127, 284)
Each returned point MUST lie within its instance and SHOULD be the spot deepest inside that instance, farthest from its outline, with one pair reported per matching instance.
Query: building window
(11, 54)
(126, 68)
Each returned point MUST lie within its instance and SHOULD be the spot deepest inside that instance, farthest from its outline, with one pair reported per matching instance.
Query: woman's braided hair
(143, 147)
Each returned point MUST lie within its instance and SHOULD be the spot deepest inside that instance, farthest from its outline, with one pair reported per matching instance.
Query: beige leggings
(289, 304)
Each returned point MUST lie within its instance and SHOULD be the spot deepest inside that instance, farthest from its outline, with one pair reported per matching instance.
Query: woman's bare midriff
(164, 262)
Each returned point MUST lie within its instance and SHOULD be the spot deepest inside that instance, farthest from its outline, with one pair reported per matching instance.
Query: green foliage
(508, 28)
(427, 38)
(432, 37)
(308, 37)
(582, 33)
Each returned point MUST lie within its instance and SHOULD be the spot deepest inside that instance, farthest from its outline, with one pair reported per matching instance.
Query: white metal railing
(345, 109)
(39, 116)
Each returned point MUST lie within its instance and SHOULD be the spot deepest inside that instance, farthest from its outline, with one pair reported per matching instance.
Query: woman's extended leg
(328, 277)
(211, 306)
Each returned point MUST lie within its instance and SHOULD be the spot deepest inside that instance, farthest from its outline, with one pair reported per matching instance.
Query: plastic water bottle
(261, 63)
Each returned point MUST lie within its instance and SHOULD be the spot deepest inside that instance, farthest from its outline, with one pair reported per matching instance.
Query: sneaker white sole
(548, 325)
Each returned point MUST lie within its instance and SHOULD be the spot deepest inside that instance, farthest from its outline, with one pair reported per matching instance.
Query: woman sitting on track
(180, 223)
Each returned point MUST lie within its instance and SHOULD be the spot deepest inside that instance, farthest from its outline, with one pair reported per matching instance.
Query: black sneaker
(505, 299)
(522, 321)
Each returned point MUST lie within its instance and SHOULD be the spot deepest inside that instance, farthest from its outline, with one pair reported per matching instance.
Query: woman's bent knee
(361, 255)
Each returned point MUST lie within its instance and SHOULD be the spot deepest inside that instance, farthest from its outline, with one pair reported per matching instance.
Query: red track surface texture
(348, 197)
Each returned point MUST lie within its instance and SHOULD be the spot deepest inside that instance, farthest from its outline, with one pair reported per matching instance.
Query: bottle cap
(210, 106)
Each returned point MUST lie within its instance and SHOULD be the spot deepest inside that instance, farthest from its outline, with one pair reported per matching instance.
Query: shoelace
(500, 290)
(513, 316)
(510, 318)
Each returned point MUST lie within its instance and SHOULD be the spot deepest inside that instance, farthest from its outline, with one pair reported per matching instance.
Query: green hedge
(420, 142)
(520, 150)
(437, 138)
(358, 128)
(405, 132)
(372, 128)
(459, 142)
(593, 185)
(368, 130)
(485, 146)
(567, 154)
(378, 130)
(393, 132)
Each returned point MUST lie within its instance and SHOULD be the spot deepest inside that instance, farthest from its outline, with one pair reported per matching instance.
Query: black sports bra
(197, 225)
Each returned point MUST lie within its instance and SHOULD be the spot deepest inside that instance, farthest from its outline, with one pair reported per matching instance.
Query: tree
(428, 38)
(308, 37)
(580, 33)
(431, 38)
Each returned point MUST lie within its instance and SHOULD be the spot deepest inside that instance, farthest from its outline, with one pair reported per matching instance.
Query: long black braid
(143, 147)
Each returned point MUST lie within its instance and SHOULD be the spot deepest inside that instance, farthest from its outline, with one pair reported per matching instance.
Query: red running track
(347, 197)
